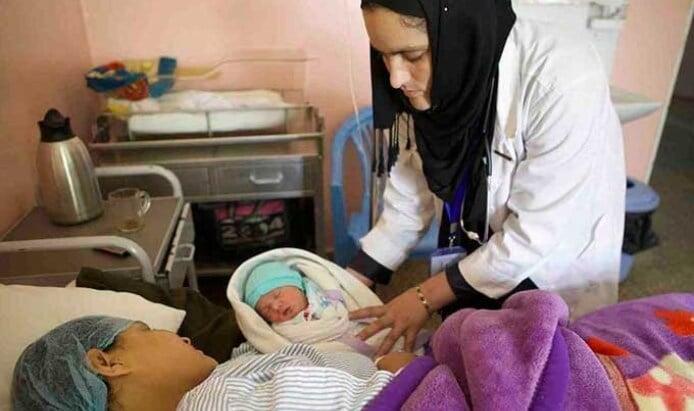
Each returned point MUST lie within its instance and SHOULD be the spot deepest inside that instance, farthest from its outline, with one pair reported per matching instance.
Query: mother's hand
(405, 314)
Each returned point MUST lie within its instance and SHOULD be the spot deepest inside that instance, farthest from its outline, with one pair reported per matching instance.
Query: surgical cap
(53, 374)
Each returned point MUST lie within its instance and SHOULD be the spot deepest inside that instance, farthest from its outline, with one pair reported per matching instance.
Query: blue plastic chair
(347, 232)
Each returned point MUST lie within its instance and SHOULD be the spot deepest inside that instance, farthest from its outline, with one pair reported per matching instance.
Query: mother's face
(155, 356)
(404, 45)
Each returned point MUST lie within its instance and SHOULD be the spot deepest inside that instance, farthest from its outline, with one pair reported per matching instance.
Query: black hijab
(466, 39)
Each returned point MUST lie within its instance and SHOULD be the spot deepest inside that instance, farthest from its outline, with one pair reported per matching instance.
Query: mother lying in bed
(634, 355)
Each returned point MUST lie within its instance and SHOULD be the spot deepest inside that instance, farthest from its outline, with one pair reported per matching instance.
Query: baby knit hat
(268, 276)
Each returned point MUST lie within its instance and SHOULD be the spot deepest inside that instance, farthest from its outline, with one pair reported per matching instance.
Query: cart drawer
(264, 176)
(194, 180)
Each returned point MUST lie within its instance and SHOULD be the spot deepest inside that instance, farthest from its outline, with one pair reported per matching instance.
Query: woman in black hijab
(438, 62)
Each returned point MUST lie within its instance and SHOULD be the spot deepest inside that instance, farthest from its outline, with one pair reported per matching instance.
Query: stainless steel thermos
(68, 187)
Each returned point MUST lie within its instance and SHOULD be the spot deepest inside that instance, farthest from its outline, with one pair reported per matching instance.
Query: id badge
(443, 258)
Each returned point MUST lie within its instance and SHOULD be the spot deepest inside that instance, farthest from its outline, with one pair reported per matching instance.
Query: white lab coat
(556, 208)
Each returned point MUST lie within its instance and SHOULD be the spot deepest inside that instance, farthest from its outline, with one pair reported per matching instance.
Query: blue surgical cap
(53, 374)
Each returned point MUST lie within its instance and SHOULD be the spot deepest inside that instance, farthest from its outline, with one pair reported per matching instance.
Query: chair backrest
(346, 231)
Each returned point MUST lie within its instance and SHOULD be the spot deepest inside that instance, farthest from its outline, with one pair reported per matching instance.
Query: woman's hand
(405, 314)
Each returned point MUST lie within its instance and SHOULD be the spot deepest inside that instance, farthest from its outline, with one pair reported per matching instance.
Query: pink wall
(43, 53)
(647, 62)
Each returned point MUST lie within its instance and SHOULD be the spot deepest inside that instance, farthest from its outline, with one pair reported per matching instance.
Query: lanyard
(454, 209)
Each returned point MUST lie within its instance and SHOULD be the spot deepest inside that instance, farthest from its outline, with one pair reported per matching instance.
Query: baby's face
(281, 304)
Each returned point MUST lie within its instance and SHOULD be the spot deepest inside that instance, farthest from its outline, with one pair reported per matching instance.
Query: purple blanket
(525, 356)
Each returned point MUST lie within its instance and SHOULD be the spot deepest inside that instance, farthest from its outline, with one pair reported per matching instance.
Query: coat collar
(509, 85)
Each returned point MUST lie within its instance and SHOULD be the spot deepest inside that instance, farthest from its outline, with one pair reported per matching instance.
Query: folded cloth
(211, 328)
(325, 334)
(199, 100)
(197, 111)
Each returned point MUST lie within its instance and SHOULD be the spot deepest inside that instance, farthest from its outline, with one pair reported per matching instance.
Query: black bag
(638, 233)
(641, 203)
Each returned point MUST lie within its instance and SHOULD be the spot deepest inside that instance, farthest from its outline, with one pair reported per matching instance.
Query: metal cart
(285, 162)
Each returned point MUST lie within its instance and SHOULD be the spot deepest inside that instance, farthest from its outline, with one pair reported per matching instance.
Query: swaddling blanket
(332, 331)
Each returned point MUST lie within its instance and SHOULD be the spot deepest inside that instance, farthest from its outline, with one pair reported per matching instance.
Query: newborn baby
(289, 301)
(276, 291)
(303, 302)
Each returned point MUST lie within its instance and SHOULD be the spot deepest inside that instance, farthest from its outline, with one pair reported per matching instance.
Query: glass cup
(128, 207)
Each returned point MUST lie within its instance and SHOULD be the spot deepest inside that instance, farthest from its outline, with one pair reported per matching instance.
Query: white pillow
(27, 313)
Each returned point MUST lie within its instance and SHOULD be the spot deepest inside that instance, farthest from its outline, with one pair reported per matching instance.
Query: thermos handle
(145, 202)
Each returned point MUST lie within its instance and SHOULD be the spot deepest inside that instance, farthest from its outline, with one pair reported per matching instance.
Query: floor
(669, 267)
